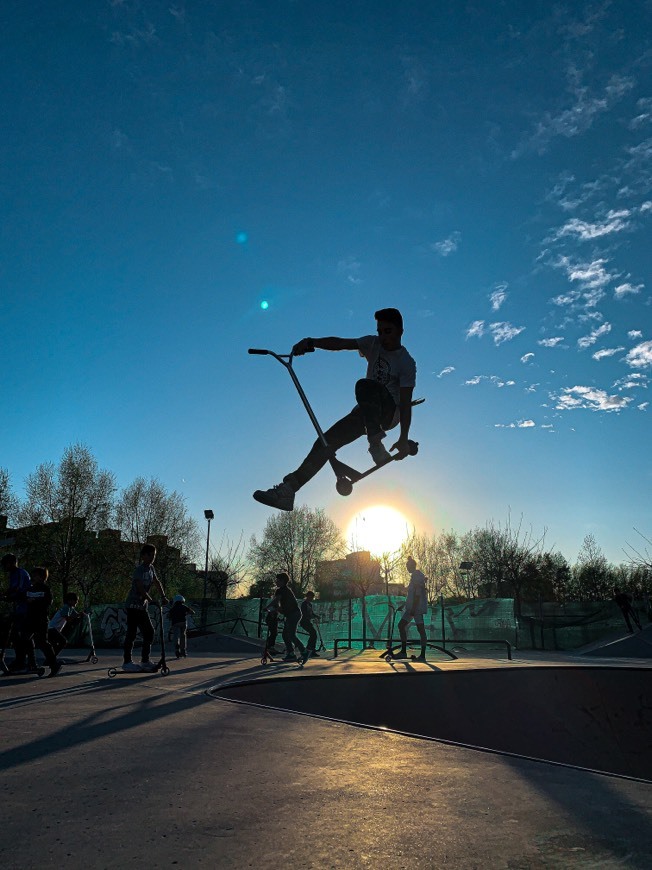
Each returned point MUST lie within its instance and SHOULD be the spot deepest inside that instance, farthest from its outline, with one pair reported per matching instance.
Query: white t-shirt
(392, 368)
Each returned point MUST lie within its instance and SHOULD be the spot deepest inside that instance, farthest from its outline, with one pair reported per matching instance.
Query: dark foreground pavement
(150, 771)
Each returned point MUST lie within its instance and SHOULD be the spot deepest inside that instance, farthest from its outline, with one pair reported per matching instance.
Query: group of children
(284, 602)
(29, 625)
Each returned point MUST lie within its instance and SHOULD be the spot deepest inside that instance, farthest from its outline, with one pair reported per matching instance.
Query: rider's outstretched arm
(306, 345)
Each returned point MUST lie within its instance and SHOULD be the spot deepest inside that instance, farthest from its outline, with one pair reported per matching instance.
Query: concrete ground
(151, 771)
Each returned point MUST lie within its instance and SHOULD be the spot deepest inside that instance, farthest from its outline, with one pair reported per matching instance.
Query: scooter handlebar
(257, 350)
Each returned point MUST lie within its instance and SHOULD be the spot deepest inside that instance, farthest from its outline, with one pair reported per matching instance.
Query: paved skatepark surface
(152, 771)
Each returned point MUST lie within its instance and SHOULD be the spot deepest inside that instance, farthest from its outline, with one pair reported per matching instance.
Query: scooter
(161, 664)
(346, 476)
(92, 655)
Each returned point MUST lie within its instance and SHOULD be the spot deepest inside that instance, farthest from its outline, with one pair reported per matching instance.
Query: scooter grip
(257, 350)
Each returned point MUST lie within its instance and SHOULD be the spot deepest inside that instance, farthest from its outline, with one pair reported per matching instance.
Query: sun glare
(379, 529)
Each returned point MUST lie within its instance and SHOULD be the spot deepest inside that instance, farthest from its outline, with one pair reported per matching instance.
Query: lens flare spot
(264, 305)
(242, 238)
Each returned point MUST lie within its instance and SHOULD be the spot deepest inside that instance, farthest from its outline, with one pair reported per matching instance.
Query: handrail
(430, 643)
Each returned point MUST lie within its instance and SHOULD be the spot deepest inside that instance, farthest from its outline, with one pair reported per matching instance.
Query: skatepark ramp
(591, 717)
(630, 646)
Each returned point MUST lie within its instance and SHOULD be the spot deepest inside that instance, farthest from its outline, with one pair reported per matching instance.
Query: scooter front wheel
(165, 671)
(95, 660)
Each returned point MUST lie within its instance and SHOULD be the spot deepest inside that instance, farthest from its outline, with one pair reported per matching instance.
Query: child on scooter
(65, 614)
(144, 580)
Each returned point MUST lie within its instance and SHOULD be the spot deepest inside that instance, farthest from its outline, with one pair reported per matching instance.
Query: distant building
(355, 575)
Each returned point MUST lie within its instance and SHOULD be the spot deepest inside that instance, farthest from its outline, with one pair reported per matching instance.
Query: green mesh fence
(541, 625)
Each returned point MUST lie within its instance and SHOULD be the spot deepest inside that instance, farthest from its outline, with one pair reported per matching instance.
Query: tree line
(75, 521)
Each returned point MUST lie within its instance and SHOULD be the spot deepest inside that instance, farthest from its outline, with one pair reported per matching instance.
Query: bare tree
(65, 505)
(8, 500)
(640, 558)
(146, 508)
(228, 567)
(592, 575)
(294, 541)
(502, 554)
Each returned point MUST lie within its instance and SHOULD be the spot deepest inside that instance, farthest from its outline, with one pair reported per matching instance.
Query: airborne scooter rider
(384, 399)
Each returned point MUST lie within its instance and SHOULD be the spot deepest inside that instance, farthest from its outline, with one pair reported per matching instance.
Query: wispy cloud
(502, 332)
(448, 245)
(521, 424)
(634, 334)
(627, 289)
(476, 330)
(590, 339)
(615, 222)
(606, 352)
(349, 267)
(593, 277)
(640, 357)
(499, 331)
(498, 296)
(446, 371)
(644, 107)
(631, 381)
(590, 398)
(527, 357)
(578, 117)
(550, 342)
(493, 379)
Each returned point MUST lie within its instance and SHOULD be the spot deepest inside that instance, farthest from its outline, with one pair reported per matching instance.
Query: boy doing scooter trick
(384, 400)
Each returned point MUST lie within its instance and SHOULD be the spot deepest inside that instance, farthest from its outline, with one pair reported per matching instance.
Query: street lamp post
(209, 515)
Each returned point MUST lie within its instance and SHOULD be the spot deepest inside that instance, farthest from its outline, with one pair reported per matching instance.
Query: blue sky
(167, 167)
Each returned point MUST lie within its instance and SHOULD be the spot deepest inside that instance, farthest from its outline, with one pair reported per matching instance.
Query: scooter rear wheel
(112, 672)
(344, 486)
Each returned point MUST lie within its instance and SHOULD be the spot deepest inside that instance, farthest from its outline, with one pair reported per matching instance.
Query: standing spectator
(416, 606)
(19, 585)
(306, 623)
(624, 601)
(39, 601)
(178, 616)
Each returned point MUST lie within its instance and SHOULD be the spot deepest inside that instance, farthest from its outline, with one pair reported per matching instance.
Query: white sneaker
(379, 452)
(147, 666)
(131, 667)
(280, 496)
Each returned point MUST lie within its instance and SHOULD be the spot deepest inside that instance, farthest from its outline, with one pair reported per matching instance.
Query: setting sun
(379, 529)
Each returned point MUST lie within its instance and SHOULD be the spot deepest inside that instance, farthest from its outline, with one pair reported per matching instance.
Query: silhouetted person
(143, 582)
(39, 601)
(384, 399)
(65, 614)
(289, 607)
(624, 601)
(415, 607)
(19, 584)
(306, 623)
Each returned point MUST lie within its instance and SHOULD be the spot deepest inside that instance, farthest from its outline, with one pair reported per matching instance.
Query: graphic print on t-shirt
(382, 371)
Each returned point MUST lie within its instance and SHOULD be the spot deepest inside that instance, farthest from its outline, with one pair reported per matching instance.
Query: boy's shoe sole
(272, 499)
